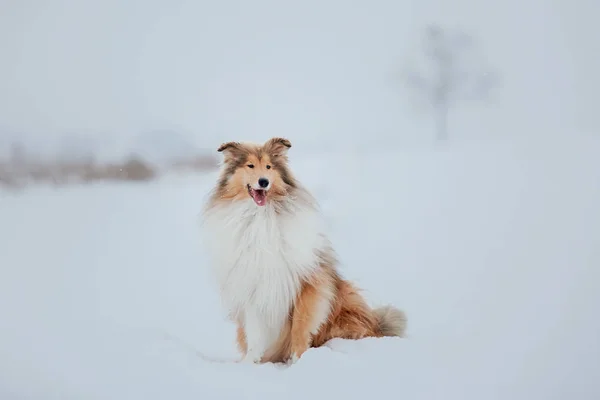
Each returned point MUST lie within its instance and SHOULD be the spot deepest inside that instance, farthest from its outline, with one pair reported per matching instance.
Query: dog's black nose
(263, 182)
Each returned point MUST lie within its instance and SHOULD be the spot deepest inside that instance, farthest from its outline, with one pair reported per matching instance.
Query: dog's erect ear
(230, 146)
(278, 146)
(231, 150)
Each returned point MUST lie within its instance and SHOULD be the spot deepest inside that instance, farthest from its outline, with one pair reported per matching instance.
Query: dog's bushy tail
(392, 321)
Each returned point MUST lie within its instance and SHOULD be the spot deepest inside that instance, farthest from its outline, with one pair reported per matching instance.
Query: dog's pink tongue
(259, 197)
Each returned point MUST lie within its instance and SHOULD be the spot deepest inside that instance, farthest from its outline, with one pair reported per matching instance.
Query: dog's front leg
(241, 338)
(256, 336)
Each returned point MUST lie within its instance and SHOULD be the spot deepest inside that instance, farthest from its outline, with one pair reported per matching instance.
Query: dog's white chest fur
(260, 258)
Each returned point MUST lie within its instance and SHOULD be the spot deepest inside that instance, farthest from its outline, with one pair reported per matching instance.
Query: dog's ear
(278, 146)
(230, 146)
(231, 150)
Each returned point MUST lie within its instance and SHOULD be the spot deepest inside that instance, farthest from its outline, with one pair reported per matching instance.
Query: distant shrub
(7, 177)
(133, 169)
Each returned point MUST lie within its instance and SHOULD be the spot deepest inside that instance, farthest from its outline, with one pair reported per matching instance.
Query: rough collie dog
(276, 269)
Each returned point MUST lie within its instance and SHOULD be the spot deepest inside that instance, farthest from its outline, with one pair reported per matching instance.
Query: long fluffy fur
(275, 267)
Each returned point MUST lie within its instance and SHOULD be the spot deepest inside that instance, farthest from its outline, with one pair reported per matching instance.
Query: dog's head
(255, 171)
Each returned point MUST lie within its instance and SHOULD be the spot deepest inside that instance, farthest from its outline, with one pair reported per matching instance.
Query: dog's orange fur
(348, 314)
(349, 318)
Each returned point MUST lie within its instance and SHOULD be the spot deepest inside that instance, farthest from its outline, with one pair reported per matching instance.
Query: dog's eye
(250, 166)
(268, 167)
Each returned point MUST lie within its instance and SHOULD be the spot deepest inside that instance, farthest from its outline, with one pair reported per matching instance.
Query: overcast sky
(314, 71)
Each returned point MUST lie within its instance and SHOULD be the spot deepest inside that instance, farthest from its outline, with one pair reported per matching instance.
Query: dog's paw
(293, 359)
(251, 359)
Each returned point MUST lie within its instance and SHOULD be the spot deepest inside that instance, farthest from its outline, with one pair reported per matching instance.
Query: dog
(276, 269)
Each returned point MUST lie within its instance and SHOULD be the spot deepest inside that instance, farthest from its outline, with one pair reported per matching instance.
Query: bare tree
(454, 71)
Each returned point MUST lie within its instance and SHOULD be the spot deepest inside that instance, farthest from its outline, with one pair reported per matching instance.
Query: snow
(492, 250)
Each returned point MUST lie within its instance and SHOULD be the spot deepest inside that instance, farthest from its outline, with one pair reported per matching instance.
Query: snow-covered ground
(493, 251)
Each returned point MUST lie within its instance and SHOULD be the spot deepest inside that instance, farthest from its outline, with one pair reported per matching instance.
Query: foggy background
(108, 75)
(472, 128)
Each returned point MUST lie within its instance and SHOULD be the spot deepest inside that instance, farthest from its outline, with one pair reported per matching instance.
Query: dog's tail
(392, 321)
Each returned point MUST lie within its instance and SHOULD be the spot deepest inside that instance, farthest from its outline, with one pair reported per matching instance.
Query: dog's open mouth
(258, 195)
